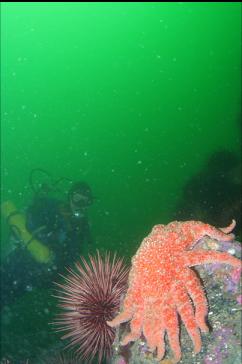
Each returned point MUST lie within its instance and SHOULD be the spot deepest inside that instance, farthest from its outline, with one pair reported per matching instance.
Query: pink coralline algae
(162, 285)
(239, 299)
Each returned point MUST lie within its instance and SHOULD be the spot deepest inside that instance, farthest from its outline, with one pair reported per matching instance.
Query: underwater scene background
(139, 100)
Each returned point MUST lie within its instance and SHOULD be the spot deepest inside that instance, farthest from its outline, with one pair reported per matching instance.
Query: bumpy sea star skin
(162, 285)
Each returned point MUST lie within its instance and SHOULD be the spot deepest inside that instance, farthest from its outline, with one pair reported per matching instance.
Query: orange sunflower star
(162, 285)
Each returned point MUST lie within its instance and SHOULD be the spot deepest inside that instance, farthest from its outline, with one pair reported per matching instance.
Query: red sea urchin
(90, 296)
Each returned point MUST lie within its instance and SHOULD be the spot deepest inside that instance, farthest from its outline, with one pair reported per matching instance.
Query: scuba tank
(39, 251)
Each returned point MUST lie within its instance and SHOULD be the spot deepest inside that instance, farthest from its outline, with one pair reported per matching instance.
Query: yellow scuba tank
(40, 252)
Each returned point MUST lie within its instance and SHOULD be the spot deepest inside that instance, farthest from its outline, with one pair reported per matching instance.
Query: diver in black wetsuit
(61, 224)
(62, 227)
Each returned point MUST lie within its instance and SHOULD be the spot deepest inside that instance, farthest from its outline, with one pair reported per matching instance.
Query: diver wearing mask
(63, 226)
(49, 237)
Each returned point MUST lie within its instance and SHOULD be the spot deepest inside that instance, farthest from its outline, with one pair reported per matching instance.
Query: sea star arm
(229, 228)
(195, 291)
(172, 328)
(131, 302)
(135, 326)
(223, 234)
(160, 341)
(199, 257)
(154, 332)
(185, 310)
(122, 317)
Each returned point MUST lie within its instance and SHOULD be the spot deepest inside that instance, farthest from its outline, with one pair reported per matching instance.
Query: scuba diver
(49, 237)
(60, 224)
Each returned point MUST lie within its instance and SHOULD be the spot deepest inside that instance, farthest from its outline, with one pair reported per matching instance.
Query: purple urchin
(90, 296)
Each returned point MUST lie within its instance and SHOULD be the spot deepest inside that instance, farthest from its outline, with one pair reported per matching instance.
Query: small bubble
(29, 288)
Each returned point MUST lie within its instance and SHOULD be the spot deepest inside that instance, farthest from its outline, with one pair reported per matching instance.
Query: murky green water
(132, 98)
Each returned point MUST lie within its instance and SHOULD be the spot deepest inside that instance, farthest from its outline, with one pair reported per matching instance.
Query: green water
(131, 97)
